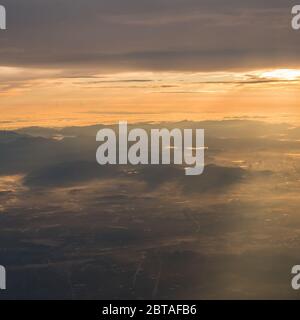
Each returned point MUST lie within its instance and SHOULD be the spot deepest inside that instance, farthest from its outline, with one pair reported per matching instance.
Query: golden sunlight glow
(48, 97)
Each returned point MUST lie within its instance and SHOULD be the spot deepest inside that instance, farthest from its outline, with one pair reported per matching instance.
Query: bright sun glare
(282, 74)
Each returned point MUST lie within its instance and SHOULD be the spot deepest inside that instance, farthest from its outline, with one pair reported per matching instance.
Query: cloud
(23, 78)
(149, 35)
(69, 173)
(214, 179)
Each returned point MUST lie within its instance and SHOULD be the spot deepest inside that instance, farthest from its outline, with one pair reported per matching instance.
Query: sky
(77, 62)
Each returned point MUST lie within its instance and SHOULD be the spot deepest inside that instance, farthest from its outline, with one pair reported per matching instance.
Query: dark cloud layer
(161, 34)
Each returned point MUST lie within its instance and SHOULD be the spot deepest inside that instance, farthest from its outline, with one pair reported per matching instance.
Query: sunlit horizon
(57, 98)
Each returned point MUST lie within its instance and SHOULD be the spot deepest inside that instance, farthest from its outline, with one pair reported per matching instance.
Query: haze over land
(74, 229)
